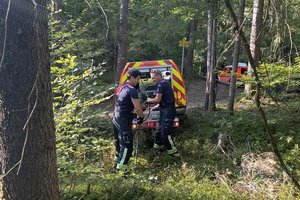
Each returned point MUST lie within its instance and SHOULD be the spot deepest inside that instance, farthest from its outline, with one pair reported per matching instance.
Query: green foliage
(81, 29)
(273, 75)
(191, 177)
(72, 83)
(155, 29)
(280, 78)
(85, 150)
(81, 126)
(84, 135)
(276, 42)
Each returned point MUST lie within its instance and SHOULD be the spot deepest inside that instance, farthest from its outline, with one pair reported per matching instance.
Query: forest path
(196, 93)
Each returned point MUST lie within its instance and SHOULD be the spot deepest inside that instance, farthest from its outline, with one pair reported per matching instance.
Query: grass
(200, 173)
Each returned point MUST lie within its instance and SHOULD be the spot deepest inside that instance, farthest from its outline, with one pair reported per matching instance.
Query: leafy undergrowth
(85, 155)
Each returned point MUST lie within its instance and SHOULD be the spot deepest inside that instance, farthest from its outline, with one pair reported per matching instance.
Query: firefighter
(165, 98)
(126, 101)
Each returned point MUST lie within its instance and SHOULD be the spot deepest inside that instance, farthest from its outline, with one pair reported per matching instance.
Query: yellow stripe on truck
(176, 73)
(179, 87)
(161, 62)
(178, 76)
(182, 101)
(124, 77)
(136, 65)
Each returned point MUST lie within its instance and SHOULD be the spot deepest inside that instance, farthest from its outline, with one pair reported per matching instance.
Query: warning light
(179, 95)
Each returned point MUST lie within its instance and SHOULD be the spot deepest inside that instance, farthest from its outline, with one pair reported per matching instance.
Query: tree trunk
(210, 91)
(213, 94)
(54, 9)
(190, 51)
(256, 30)
(27, 157)
(123, 41)
(235, 56)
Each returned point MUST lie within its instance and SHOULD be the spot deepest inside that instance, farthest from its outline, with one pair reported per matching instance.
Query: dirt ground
(196, 93)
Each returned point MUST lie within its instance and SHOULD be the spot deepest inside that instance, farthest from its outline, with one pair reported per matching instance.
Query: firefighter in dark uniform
(165, 98)
(126, 101)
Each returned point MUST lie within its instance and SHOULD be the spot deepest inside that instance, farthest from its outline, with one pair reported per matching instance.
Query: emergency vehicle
(147, 88)
(225, 74)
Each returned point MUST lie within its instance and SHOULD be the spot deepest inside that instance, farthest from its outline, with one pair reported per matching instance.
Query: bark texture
(123, 41)
(54, 9)
(256, 30)
(190, 50)
(210, 91)
(236, 53)
(26, 101)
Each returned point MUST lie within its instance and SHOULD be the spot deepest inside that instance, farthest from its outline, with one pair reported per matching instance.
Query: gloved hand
(139, 120)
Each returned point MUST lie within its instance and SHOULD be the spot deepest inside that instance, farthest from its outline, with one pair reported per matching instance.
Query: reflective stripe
(179, 87)
(171, 142)
(124, 156)
(176, 73)
(123, 79)
(173, 150)
(157, 146)
(121, 166)
(182, 101)
(162, 62)
(178, 101)
(137, 64)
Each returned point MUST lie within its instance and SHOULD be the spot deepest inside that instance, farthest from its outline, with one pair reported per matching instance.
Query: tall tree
(123, 40)
(192, 28)
(54, 9)
(235, 56)
(210, 91)
(256, 30)
(27, 133)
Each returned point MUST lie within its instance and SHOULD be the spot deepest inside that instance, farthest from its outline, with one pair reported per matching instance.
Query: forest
(235, 72)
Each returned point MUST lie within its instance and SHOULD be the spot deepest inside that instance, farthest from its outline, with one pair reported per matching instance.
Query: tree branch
(106, 19)
(254, 64)
(5, 34)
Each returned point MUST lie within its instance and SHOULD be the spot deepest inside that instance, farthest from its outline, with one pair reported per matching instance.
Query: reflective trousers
(164, 129)
(123, 140)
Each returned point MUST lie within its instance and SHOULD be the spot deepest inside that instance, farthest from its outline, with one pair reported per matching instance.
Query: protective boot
(157, 149)
(122, 170)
